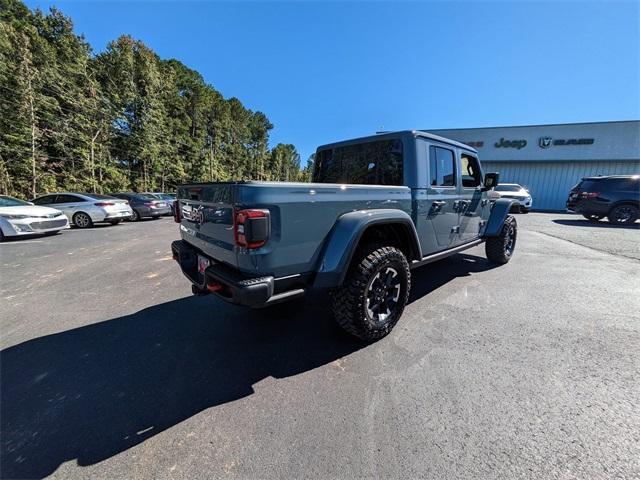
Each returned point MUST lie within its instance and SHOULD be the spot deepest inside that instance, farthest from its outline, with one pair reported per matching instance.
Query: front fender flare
(345, 235)
(499, 212)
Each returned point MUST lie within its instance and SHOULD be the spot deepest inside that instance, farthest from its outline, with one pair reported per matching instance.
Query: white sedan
(85, 209)
(18, 217)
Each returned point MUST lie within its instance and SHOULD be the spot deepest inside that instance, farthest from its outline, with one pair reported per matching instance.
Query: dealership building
(550, 159)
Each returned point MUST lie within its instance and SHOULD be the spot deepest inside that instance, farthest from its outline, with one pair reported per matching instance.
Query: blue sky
(328, 71)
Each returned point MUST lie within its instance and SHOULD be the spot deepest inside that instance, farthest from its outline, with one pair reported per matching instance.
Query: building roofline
(535, 125)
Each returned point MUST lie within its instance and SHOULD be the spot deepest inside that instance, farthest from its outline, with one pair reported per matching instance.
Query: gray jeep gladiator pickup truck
(378, 207)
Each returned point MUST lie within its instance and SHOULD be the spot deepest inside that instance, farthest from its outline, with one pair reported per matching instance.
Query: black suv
(616, 197)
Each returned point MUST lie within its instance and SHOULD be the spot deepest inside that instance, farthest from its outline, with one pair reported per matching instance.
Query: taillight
(104, 204)
(177, 214)
(590, 194)
(251, 228)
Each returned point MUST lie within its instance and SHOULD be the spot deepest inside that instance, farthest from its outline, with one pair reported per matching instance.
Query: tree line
(123, 119)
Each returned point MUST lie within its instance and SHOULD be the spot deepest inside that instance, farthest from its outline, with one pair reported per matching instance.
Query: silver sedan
(85, 209)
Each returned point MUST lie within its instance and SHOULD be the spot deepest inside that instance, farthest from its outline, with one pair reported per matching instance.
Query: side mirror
(490, 181)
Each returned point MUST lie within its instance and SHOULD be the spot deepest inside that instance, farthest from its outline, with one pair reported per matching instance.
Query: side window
(442, 169)
(46, 200)
(471, 176)
(68, 199)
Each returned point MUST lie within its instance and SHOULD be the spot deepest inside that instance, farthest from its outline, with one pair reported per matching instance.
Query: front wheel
(623, 215)
(82, 220)
(135, 216)
(500, 249)
(374, 294)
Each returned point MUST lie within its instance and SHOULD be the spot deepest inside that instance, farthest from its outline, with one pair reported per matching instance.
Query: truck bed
(302, 215)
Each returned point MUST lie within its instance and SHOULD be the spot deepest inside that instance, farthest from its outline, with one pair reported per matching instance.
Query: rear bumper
(123, 214)
(152, 212)
(231, 285)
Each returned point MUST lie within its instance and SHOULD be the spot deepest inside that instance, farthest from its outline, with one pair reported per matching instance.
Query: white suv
(521, 197)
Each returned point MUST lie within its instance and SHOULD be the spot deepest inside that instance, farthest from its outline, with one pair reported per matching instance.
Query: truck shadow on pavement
(587, 223)
(98, 390)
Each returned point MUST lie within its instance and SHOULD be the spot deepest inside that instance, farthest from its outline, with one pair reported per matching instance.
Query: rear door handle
(437, 205)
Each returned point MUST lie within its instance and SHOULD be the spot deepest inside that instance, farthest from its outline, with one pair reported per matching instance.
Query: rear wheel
(82, 220)
(623, 214)
(500, 249)
(374, 294)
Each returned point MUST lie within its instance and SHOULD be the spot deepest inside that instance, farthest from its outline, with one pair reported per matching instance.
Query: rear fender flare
(499, 212)
(345, 236)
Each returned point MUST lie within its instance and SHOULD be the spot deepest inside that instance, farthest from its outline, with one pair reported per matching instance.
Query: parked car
(18, 217)
(616, 197)
(170, 198)
(378, 207)
(521, 197)
(85, 209)
(144, 205)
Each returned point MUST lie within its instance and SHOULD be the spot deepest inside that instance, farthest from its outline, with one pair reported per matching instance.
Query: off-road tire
(349, 302)
(499, 249)
(617, 217)
(82, 220)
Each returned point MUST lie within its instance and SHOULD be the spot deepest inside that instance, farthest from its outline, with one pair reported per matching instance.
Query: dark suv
(616, 197)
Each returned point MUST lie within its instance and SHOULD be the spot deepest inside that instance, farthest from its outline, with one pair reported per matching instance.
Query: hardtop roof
(397, 134)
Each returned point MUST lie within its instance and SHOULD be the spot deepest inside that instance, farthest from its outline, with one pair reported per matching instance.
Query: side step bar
(434, 257)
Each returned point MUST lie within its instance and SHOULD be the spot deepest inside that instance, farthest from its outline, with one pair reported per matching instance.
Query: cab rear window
(374, 163)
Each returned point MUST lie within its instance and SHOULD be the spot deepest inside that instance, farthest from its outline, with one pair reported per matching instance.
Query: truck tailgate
(207, 219)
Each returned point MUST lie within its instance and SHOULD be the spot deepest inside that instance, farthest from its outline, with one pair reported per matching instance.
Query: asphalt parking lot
(111, 369)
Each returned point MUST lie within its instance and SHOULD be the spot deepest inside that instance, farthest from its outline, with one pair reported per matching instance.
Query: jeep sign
(510, 144)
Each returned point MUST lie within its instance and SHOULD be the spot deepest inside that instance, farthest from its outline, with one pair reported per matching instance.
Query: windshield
(508, 188)
(378, 162)
(11, 202)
